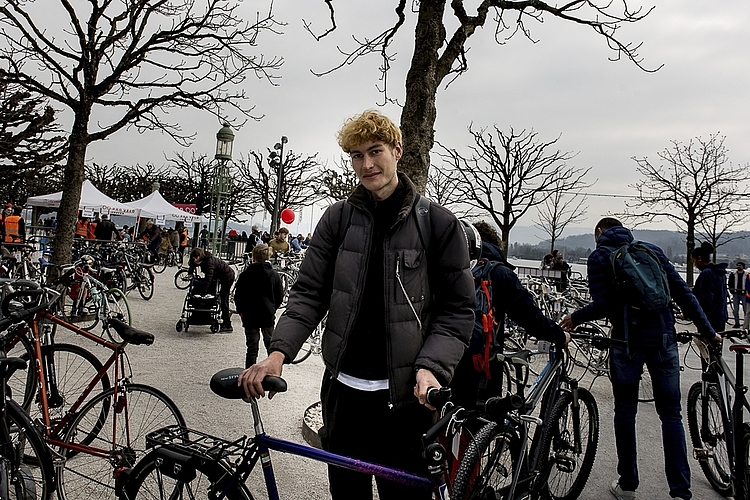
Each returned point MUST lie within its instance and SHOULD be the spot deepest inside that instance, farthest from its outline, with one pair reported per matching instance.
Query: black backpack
(640, 277)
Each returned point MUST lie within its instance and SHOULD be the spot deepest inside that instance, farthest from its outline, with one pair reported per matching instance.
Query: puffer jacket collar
(361, 197)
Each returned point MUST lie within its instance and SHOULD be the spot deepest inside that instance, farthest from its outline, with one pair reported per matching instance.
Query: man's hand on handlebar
(425, 380)
(567, 324)
(251, 379)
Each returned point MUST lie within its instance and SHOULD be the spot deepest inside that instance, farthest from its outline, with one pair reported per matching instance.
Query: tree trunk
(419, 113)
(73, 177)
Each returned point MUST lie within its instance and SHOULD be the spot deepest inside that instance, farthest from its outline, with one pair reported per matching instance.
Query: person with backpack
(710, 286)
(391, 269)
(637, 304)
(499, 293)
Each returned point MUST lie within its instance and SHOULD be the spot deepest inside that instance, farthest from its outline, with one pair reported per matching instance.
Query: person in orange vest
(91, 230)
(14, 226)
(184, 237)
(82, 227)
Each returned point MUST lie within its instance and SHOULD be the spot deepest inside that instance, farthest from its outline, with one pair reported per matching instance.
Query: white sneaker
(619, 493)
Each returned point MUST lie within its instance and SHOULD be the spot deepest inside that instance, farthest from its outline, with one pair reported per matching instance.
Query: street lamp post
(222, 185)
(276, 160)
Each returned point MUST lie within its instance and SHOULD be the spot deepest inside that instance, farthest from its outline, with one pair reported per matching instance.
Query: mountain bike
(189, 464)
(715, 413)
(504, 461)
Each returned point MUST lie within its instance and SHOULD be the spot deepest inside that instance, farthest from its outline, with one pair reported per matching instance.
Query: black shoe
(736, 325)
(226, 329)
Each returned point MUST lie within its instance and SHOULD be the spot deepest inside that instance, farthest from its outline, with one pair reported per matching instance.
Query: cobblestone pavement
(181, 365)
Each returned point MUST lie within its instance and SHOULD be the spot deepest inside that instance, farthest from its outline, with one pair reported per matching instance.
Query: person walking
(105, 229)
(737, 289)
(391, 269)
(214, 270)
(651, 342)
(257, 295)
(711, 286)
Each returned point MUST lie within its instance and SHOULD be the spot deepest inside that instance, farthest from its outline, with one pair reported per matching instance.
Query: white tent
(91, 198)
(156, 207)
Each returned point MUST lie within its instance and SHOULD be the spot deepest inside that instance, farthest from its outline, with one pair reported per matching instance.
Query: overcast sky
(563, 84)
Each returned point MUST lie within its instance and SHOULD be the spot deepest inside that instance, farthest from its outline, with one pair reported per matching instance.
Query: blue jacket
(645, 328)
(711, 291)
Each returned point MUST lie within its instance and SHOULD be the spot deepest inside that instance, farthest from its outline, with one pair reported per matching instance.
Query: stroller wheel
(178, 326)
(214, 327)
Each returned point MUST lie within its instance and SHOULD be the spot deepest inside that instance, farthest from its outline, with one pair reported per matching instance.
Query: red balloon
(287, 215)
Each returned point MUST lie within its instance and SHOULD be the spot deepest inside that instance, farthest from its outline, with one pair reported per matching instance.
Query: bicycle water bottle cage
(224, 384)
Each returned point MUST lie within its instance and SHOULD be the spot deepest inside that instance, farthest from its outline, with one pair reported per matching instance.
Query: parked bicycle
(99, 433)
(715, 413)
(504, 462)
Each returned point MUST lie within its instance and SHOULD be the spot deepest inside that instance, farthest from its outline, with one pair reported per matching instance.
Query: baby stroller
(202, 306)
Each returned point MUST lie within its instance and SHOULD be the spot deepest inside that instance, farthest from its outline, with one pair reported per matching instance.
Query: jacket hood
(492, 252)
(615, 237)
(720, 269)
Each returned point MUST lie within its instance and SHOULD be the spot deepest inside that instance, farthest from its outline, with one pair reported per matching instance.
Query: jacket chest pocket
(411, 276)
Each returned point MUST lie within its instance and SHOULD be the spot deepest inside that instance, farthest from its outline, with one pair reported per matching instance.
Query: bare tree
(32, 145)
(697, 184)
(441, 56)
(565, 206)
(337, 183)
(126, 64)
(442, 187)
(298, 181)
(506, 179)
(195, 176)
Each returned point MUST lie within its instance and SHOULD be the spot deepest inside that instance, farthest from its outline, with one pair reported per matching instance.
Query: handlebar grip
(5, 307)
(438, 397)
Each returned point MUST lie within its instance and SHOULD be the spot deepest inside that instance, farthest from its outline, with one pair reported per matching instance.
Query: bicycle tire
(160, 264)
(486, 468)
(715, 462)
(83, 311)
(143, 409)
(146, 482)
(75, 368)
(742, 467)
(35, 471)
(566, 471)
(22, 383)
(145, 283)
(286, 284)
(118, 307)
(182, 279)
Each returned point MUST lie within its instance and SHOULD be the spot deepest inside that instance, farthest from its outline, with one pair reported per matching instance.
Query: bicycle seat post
(257, 422)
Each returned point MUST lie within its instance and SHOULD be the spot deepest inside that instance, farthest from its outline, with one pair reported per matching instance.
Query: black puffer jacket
(331, 279)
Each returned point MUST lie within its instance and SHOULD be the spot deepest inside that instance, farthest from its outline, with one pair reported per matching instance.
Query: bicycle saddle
(224, 384)
(131, 335)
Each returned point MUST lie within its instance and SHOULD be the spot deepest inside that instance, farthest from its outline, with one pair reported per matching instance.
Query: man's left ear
(398, 151)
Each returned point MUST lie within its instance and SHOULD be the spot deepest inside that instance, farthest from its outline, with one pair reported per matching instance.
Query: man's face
(374, 163)
(8, 211)
(740, 267)
(281, 236)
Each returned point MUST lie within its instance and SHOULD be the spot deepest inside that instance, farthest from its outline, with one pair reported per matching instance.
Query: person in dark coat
(651, 342)
(711, 286)
(257, 296)
(105, 229)
(400, 304)
(215, 269)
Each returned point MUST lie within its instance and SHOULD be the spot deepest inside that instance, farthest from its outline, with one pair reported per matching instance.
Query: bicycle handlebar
(596, 338)
(22, 315)
(438, 397)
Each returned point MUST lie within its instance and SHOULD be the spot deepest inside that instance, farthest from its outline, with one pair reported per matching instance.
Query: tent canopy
(91, 198)
(155, 206)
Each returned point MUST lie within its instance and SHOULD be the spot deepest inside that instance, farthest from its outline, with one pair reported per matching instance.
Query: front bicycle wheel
(32, 470)
(151, 478)
(486, 468)
(160, 264)
(120, 436)
(69, 369)
(22, 383)
(118, 307)
(145, 283)
(568, 453)
(182, 279)
(707, 422)
(79, 307)
(742, 473)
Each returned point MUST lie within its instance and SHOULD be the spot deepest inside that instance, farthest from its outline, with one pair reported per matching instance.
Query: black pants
(361, 425)
(252, 337)
(224, 289)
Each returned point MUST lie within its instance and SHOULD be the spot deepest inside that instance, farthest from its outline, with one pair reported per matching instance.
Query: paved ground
(181, 364)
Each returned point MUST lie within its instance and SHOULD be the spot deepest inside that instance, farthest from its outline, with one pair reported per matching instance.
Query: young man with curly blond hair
(400, 307)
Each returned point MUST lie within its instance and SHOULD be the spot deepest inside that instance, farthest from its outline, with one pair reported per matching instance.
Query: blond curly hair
(368, 126)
